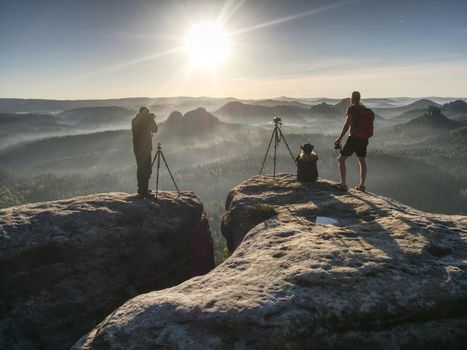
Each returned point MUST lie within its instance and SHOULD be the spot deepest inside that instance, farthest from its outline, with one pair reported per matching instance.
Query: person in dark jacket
(143, 126)
(307, 169)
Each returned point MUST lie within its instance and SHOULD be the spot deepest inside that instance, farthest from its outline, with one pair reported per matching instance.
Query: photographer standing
(143, 125)
(359, 120)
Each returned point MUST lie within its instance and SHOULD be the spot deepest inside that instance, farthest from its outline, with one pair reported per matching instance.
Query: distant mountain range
(238, 112)
(393, 112)
(84, 152)
(423, 103)
(324, 110)
(409, 115)
(252, 113)
(433, 118)
(184, 103)
(454, 110)
(92, 116)
(292, 112)
(192, 120)
(273, 102)
(433, 121)
(198, 122)
(334, 111)
(17, 105)
(16, 128)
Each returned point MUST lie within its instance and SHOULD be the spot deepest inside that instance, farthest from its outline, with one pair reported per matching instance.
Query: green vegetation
(214, 211)
(262, 212)
(445, 151)
(9, 197)
(427, 173)
(47, 187)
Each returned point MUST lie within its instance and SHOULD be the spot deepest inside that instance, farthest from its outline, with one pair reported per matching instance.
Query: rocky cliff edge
(312, 268)
(65, 265)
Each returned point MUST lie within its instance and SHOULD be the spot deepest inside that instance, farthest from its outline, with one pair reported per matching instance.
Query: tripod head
(277, 121)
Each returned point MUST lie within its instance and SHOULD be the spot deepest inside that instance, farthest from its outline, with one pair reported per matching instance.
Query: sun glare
(207, 44)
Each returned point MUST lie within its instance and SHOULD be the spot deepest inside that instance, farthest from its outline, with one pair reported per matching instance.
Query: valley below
(67, 194)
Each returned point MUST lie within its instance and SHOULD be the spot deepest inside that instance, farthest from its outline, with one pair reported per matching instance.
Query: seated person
(307, 170)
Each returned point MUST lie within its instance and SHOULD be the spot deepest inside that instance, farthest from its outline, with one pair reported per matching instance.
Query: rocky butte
(67, 264)
(311, 268)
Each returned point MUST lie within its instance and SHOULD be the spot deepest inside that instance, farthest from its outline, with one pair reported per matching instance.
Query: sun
(207, 44)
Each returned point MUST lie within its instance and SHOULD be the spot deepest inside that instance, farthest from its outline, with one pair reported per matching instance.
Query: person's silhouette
(359, 120)
(143, 125)
(307, 170)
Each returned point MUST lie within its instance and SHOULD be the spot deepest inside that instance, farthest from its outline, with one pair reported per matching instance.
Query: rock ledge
(65, 265)
(383, 276)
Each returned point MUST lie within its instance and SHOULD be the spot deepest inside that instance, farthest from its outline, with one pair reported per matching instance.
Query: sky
(85, 49)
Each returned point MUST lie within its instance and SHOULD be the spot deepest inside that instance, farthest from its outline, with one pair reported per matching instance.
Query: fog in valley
(59, 149)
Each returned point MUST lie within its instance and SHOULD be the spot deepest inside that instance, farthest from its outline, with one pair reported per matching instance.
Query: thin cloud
(293, 17)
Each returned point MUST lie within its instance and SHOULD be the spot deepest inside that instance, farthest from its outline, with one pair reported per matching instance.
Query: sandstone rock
(67, 264)
(383, 276)
(174, 119)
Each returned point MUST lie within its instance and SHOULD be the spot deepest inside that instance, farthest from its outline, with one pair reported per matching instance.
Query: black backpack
(307, 169)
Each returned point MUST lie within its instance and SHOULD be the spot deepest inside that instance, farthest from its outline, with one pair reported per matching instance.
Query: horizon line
(222, 97)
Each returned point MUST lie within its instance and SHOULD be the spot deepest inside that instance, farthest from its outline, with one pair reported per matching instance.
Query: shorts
(356, 145)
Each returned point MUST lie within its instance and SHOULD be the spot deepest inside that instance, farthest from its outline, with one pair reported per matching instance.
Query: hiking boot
(341, 187)
(360, 188)
(146, 194)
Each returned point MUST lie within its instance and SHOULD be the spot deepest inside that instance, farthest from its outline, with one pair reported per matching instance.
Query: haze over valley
(56, 149)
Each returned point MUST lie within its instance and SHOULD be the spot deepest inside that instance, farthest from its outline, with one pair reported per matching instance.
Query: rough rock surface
(65, 265)
(383, 276)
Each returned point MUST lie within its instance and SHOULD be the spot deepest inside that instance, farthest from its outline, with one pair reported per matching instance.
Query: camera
(277, 120)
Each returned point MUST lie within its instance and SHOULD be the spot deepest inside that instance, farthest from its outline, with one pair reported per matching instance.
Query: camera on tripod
(276, 136)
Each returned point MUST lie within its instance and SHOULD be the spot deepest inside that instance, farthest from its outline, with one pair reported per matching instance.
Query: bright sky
(67, 49)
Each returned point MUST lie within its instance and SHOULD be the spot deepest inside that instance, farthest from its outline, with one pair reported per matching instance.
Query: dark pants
(144, 171)
(354, 144)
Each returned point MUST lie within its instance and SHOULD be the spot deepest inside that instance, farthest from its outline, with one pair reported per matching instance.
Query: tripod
(277, 136)
(158, 157)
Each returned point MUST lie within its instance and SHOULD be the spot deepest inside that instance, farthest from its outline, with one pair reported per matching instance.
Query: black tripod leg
(287, 145)
(170, 173)
(158, 155)
(276, 142)
(269, 146)
(154, 159)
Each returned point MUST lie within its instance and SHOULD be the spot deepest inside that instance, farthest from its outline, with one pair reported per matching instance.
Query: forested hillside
(420, 162)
